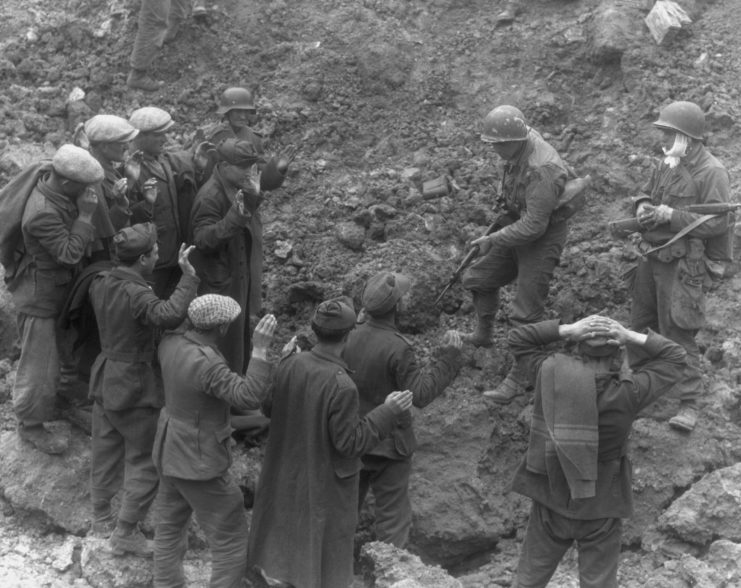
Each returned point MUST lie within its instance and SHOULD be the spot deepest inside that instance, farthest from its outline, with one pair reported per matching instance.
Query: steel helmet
(236, 99)
(684, 117)
(504, 123)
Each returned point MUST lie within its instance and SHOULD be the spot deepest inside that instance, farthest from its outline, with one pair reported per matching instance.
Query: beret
(212, 310)
(334, 315)
(131, 242)
(108, 128)
(237, 152)
(76, 164)
(151, 119)
(383, 291)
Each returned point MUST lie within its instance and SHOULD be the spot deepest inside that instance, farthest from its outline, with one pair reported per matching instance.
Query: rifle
(502, 220)
(624, 227)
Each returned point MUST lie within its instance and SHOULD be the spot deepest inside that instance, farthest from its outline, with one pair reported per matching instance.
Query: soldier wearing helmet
(670, 277)
(525, 251)
(238, 114)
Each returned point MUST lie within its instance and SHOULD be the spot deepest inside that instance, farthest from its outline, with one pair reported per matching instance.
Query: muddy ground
(380, 96)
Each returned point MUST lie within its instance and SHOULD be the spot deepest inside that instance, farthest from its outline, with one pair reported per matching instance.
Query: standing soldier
(57, 232)
(192, 451)
(127, 400)
(163, 192)
(381, 360)
(668, 287)
(528, 249)
(576, 469)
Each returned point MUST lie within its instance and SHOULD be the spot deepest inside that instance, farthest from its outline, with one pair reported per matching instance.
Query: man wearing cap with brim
(173, 175)
(58, 230)
(305, 510)
(127, 399)
(192, 451)
(527, 247)
(669, 282)
(576, 469)
(381, 359)
(108, 137)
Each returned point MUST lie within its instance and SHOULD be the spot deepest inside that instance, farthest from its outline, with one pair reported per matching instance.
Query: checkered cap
(108, 128)
(151, 119)
(212, 310)
(76, 164)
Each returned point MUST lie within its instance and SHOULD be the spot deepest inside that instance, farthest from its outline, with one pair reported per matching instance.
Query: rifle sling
(690, 227)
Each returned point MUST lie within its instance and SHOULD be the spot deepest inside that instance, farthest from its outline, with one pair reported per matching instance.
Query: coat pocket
(688, 297)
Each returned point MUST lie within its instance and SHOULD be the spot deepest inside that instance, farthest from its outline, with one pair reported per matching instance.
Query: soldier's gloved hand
(663, 213)
(87, 202)
(400, 400)
(645, 214)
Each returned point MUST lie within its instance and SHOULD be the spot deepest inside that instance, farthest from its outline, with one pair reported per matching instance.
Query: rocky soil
(381, 96)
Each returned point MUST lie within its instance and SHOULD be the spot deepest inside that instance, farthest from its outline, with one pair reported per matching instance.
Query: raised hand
(400, 400)
(285, 158)
(263, 335)
(87, 202)
(183, 260)
(150, 191)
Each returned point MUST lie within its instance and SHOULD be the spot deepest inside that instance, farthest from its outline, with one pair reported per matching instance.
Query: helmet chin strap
(677, 151)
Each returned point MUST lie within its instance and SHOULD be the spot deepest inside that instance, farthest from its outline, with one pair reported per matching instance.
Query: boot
(103, 525)
(200, 11)
(486, 310)
(133, 542)
(507, 15)
(43, 439)
(686, 419)
(140, 80)
(512, 386)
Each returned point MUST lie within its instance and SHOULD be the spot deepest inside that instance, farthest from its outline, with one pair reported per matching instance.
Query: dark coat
(306, 506)
(656, 367)
(128, 312)
(382, 360)
(229, 260)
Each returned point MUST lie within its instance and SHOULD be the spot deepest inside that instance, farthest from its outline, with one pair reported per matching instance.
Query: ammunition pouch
(676, 250)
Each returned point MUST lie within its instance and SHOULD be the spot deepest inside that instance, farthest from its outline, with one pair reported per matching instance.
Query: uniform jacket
(229, 259)
(306, 505)
(55, 241)
(382, 360)
(127, 313)
(193, 432)
(531, 186)
(656, 367)
(177, 186)
(698, 179)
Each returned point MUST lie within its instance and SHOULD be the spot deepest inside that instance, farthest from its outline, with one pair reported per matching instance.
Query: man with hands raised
(576, 469)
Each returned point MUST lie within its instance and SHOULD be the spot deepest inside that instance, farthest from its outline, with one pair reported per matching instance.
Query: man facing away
(383, 360)
(576, 469)
(127, 398)
(191, 449)
(306, 507)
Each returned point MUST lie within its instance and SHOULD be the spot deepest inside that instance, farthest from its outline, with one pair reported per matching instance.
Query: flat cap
(76, 164)
(383, 291)
(131, 242)
(151, 119)
(108, 128)
(237, 152)
(213, 310)
(334, 315)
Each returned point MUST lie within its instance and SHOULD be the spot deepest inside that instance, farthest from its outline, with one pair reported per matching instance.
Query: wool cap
(237, 152)
(76, 164)
(131, 242)
(108, 128)
(151, 119)
(383, 291)
(213, 310)
(334, 315)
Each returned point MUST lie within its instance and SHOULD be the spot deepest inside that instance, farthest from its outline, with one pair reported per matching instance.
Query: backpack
(573, 197)
(13, 198)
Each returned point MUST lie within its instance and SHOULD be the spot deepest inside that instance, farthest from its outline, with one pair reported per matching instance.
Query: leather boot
(508, 14)
(512, 386)
(686, 419)
(140, 80)
(486, 310)
(132, 542)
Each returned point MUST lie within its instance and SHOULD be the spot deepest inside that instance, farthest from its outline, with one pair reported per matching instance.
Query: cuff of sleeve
(259, 367)
(638, 199)
(83, 228)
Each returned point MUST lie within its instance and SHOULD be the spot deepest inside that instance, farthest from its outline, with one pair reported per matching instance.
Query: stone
(351, 235)
(386, 566)
(665, 20)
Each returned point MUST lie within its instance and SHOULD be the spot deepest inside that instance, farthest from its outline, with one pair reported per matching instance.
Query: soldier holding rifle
(677, 242)
(528, 248)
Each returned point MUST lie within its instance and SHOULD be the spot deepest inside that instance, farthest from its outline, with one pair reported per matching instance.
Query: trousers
(548, 537)
(155, 16)
(218, 505)
(122, 458)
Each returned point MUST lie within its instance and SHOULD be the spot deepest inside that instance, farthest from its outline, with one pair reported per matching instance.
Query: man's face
(152, 144)
(114, 152)
(71, 188)
(149, 260)
(666, 138)
(506, 150)
(240, 117)
(234, 174)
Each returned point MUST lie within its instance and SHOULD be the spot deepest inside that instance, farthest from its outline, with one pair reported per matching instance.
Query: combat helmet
(504, 123)
(236, 99)
(684, 117)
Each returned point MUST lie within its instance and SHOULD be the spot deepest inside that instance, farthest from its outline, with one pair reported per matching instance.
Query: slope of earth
(379, 96)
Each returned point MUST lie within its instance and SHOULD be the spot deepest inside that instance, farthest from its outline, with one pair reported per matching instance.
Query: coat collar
(331, 358)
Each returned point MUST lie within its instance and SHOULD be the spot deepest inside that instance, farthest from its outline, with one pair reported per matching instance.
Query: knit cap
(212, 310)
